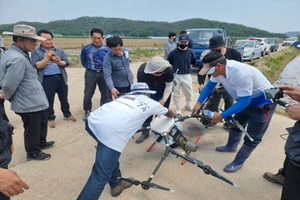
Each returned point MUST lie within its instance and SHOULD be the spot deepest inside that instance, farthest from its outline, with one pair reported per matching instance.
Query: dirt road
(64, 175)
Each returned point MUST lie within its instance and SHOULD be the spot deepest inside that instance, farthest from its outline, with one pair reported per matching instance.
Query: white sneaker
(188, 107)
(178, 111)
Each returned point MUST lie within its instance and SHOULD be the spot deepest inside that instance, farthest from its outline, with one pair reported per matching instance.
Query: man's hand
(115, 92)
(200, 87)
(293, 111)
(10, 183)
(196, 108)
(2, 96)
(216, 118)
(292, 91)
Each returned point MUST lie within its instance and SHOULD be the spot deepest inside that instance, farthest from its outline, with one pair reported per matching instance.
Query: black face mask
(218, 50)
(182, 46)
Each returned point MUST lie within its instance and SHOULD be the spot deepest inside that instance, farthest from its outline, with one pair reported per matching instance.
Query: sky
(276, 16)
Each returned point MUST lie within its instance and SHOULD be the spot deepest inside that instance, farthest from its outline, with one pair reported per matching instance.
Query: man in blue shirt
(92, 56)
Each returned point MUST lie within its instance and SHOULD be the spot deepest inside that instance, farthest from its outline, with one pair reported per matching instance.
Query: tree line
(135, 28)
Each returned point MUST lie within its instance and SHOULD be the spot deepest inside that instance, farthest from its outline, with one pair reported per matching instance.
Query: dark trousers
(123, 90)
(91, 80)
(35, 130)
(291, 186)
(214, 101)
(52, 85)
(4, 114)
(157, 96)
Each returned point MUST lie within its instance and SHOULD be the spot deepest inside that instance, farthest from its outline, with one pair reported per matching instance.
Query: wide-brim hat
(24, 31)
(156, 65)
(140, 88)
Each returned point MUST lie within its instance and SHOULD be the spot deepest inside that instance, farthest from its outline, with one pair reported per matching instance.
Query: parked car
(252, 49)
(266, 46)
(274, 44)
(289, 41)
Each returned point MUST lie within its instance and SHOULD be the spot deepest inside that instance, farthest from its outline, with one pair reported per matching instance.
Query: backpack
(6, 131)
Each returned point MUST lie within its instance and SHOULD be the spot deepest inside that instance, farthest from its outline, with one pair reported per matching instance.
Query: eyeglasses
(158, 73)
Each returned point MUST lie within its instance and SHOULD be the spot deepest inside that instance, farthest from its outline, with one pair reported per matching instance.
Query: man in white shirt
(112, 125)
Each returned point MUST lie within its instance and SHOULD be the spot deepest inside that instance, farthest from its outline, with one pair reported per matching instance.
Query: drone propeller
(208, 170)
(146, 185)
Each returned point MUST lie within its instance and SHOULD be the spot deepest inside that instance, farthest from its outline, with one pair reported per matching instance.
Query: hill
(135, 28)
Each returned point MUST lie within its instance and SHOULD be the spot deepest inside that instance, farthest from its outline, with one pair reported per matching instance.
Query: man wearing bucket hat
(217, 43)
(112, 125)
(158, 74)
(23, 89)
(246, 84)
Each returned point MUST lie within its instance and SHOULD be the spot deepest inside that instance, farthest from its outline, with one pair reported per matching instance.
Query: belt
(53, 75)
(95, 70)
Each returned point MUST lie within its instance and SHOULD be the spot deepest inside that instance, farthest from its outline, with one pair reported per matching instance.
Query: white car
(252, 49)
(289, 41)
(266, 46)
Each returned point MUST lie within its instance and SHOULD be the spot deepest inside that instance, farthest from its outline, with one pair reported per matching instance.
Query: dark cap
(183, 38)
(216, 41)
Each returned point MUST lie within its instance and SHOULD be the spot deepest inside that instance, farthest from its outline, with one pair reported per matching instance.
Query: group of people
(30, 84)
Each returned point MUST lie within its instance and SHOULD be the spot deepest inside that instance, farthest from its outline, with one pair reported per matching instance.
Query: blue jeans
(105, 170)
(257, 119)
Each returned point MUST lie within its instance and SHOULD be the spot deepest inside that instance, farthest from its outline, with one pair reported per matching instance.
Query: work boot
(122, 186)
(145, 135)
(232, 143)
(274, 178)
(240, 158)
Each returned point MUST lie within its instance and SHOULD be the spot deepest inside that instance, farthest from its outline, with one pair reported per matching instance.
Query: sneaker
(122, 186)
(51, 124)
(188, 107)
(274, 178)
(47, 145)
(71, 119)
(86, 115)
(38, 156)
(178, 111)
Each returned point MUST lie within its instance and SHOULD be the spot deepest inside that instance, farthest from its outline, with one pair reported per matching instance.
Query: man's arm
(10, 183)
(170, 114)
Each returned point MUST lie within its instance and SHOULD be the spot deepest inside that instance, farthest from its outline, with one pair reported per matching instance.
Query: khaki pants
(183, 81)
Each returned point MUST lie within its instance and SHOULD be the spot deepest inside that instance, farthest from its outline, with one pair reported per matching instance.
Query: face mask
(182, 46)
(219, 50)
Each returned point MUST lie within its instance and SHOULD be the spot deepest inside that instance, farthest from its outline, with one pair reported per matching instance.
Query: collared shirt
(92, 56)
(116, 70)
(50, 68)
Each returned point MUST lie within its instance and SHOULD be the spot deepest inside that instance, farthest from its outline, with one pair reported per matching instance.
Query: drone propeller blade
(208, 170)
(146, 184)
(153, 185)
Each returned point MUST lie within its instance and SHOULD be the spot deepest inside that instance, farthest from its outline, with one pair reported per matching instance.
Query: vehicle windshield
(200, 37)
(289, 39)
(244, 43)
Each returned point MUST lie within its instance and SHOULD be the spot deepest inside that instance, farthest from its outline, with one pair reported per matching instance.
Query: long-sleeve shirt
(116, 70)
(92, 57)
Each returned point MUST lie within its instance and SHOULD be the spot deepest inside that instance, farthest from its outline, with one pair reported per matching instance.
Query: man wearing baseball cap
(245, 84)
(182, 59)
(217, 43)
(112, 125)
(25, 92)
